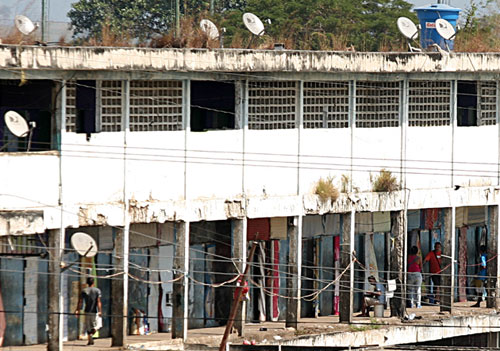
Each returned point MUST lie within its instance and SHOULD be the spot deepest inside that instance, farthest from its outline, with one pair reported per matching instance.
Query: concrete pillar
(492, 300)
(180, 287)
(239, 254)
(447, 290)
(346, 256)
(54, 290)
(119, 291)
(294, 271)
(397, 270)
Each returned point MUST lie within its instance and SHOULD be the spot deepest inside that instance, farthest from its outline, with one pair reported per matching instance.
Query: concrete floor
(261, 332)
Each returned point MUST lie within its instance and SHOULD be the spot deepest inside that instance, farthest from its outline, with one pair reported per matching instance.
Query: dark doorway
(212, 105)
(32, 100)
(467, 103)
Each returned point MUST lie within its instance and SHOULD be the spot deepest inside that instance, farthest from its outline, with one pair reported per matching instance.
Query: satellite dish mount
(84, 245)
(254, 25)
(19, 127)
(409, 31)
(446, 30)
(25, 25)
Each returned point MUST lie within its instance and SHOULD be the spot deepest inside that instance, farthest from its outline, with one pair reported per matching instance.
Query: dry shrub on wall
(385, 182)
(109, 38)
(191, 36)
(325, 189)
(16, 37)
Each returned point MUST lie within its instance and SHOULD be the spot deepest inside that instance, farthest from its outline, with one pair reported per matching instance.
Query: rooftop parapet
(237, 60)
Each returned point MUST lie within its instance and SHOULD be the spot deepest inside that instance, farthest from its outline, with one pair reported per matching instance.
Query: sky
(59, 8)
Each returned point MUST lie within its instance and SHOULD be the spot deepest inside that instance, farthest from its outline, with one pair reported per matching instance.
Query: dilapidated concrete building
(173, 160)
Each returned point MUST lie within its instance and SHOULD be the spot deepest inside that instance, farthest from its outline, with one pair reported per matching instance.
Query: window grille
(326, 104)
(487, 103)
(111, 105)
(272, 105)
(70, 106)
(155, 105)
(429, 103)
(377, 104)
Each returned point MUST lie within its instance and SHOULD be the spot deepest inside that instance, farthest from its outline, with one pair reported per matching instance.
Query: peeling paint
(230, 60)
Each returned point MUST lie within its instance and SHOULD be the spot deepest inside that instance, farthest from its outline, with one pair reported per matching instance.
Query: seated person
(374, 297)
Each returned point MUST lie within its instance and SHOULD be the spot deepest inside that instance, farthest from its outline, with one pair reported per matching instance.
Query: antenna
(18, 126)
(253, 24)
(84, 244)
(446, 30)
(209, 28)
(24, 24)
(409, 30)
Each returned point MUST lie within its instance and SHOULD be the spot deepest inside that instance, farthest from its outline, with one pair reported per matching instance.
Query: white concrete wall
(324, 153)
(271, 162)
(375, 149)
(476, 156)
(214, 168)
(28, 180)
(92, 170)
(428, 157)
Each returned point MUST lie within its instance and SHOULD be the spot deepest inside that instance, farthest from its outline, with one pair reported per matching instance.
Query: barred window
(487, 103)
(326, 104)
(429, 103)
(272, 105)
(155, 105)
(70, 106)
(111, 105)
(377, 104)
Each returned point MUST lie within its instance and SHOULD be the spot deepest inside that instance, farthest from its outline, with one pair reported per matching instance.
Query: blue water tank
(427, 15)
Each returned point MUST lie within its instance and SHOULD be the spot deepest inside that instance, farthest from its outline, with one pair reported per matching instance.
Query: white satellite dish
(445, 29)
(210, 28)
(253, 23)
(24, 24)
(16, 124)
(84, 244)
(407, 28)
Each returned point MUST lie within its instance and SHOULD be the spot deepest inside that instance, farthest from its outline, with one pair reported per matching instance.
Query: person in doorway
(434, 259)
(91, 297)
(415, 278)
(374, 297)
(480, 281)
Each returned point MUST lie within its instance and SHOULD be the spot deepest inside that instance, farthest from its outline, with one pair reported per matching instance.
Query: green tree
(137, 19)
(313, 24)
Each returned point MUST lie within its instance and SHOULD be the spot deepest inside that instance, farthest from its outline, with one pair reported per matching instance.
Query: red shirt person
(434, 259)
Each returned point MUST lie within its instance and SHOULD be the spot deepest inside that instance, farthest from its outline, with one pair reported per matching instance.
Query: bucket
(427, 16)
(378, 311)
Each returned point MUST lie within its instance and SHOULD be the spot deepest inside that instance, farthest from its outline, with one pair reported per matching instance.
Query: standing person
(434, 259)
(91, 296)
(481, 276)
(415, 277)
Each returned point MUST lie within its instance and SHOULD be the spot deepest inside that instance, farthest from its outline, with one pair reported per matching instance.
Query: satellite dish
(407, 28)
(16, 124)
(253, 23)
(210, 28)
(24, 24)
(445, 29)
(84, 244)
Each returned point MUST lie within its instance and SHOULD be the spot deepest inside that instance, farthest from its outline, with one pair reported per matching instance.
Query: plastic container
(378, 311)
(427, 16)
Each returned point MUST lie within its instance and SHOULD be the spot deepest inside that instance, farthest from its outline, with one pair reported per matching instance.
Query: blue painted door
(12, 285)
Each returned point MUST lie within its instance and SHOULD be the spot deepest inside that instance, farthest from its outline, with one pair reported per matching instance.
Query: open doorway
(32, 100)
(467, 103)
(212, 105)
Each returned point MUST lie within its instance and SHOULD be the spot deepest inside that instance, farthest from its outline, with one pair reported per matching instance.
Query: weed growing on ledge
(325, 189)
(384, 182)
